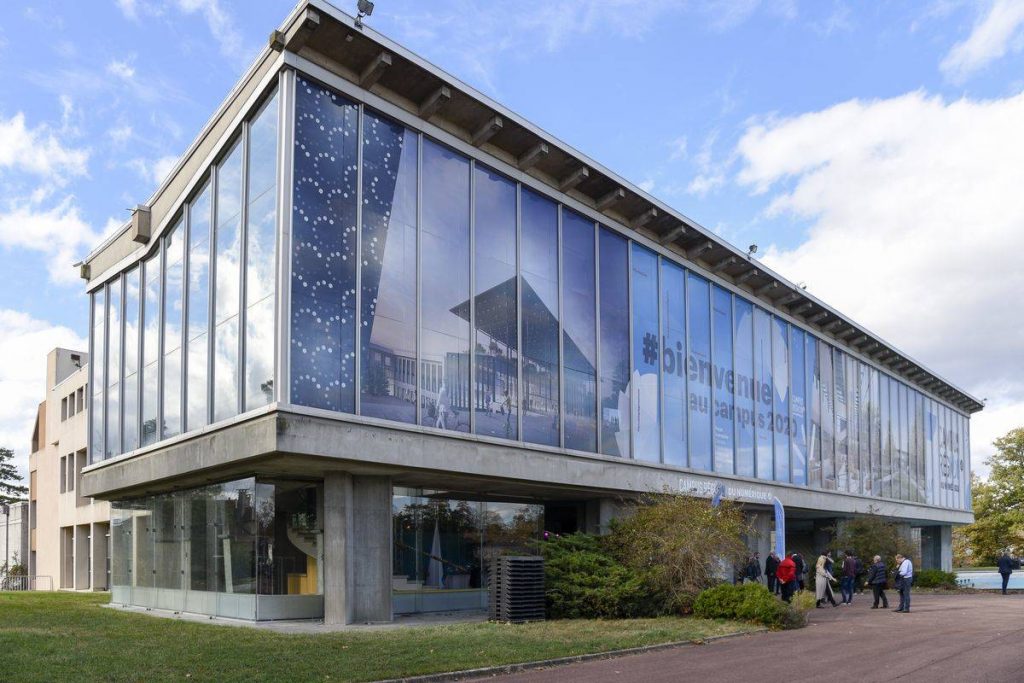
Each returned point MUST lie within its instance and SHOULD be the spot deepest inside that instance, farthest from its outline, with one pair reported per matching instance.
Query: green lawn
(66, 636)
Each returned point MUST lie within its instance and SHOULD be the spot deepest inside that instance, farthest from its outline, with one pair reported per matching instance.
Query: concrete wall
(62, 558)
(14, 535)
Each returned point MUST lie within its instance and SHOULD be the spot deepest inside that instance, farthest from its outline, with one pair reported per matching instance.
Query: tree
(10, 490)
(871, 535)
(680, 545)
(999, 502)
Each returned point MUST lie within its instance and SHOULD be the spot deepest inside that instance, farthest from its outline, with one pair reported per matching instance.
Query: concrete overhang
(298, 443)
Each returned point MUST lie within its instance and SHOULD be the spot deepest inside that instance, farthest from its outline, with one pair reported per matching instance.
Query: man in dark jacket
(1005, 565)
(849, 576)
(771, 564)
(876, 579)
(798, 560)
(754, 568)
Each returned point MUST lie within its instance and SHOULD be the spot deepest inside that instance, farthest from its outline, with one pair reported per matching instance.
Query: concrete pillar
(946, 548)
(99, 556)
(371, 547)
(337, 532)
(82, 558)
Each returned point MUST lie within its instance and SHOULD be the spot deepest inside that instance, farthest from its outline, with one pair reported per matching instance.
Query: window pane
(130, 397)
(852, 428)
(150, 348)
(579, 326)
(904, 443)
(763, 392)
(96, 368)
(497, 327)
(444, 272)
(198, 309)
(614, 284)
(781, 424)
(261, 258)
(227, 237)
(113, 437)
(673, 333)
(813, 376)
(828, 426)
(874, 408)
(174, 250)
(540, 319)
(646, 355)
(842, 436)
(323, 250)
(885, 412)
(723, 380)
(388, 333)
(798, 405)
(864, 426)
(746, 395)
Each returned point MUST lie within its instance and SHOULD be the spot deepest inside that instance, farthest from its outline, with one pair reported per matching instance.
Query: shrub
(934, 578)
(680, 545)
(583, 580)
(750, 602)
(804, 601)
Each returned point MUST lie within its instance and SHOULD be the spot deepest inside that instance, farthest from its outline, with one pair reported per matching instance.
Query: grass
(71, 636)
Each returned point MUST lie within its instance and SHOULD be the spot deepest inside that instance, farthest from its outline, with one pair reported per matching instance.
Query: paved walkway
(945, 638)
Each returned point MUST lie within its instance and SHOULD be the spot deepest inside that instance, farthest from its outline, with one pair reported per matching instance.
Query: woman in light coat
(823, 581)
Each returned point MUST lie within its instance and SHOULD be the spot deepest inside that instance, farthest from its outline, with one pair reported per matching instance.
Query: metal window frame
(243, 257)
(473, 331)
(520, 387)
(285, 183)
(559, 284)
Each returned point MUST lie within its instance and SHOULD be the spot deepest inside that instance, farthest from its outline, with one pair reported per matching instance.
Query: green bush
(584, 581)
(934, 578)
(750, 602)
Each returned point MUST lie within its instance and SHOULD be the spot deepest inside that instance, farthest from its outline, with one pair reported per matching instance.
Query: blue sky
(872, 150)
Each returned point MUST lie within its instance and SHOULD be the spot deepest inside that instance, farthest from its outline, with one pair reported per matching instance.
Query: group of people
(877, 578)
(786, 576)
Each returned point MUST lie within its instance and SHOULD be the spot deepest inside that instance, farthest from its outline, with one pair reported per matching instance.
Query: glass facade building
(363, 315)
(428, 288)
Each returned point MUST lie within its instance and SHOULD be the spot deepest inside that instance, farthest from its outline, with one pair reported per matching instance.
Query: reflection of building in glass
(450, 331)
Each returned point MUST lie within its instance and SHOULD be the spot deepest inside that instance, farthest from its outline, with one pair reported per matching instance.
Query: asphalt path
(945, 638)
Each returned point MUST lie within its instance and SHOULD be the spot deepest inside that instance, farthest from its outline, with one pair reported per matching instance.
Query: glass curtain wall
(579, 331)
(97, 382)
(113, 371)
(197, 341)
(724, 385)
(673, 382)
(174, 257)
(130, 384)
(699, 369)
(613, 291)
(151, 347)
(646, 356)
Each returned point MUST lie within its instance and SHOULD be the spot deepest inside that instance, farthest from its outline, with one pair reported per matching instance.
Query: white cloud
(59, 232)
(220, 23)
(154, 171)
(916, 218)
(678, 147)
(119, 135)
(122, 69)
(994, 34)
(38, 151)
(23, 348)
(129, 8)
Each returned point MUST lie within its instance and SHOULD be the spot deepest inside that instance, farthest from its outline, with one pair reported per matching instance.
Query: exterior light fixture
(364, 8)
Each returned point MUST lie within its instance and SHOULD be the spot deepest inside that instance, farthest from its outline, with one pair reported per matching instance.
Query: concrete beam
(820, 315)
(702, 248)
(764, 289)
(870, 347)
(802, 307)
(610, 199)
(142, 223)
(435, 101)
(723, 264)
(530, 157)
(848, 332)
(298, 34)
(573, 179)
(645, 218)
(835, 324)
(857, 341)
(672, 235)
(746, 275)
(374, 70)
(485, 132)
(787, 299)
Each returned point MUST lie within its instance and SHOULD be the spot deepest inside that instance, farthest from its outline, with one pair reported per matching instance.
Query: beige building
(68, 536)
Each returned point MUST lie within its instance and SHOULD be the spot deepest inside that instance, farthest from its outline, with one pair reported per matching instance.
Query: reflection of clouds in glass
(197, 349)
(227, 235)
(174, 254)
(150, 348)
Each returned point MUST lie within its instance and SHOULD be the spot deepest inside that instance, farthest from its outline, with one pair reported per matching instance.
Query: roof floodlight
(364, 9)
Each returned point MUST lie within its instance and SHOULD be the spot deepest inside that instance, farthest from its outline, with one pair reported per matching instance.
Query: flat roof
(327, 36)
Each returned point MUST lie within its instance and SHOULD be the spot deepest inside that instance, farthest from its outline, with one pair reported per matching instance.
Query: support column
(82, 560)
(370, 549)
(99, 556)
(337, 532)
(945, 548)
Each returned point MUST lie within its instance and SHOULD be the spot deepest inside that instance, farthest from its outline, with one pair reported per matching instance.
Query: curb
(505, 669)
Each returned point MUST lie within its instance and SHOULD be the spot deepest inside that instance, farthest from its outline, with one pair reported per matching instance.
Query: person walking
(849, 576)
(823, 580)
(771, 564)
(877, 578)
(1005, 566)
(754, 568)
(801, 568)
(786, 575)
(904, 580)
